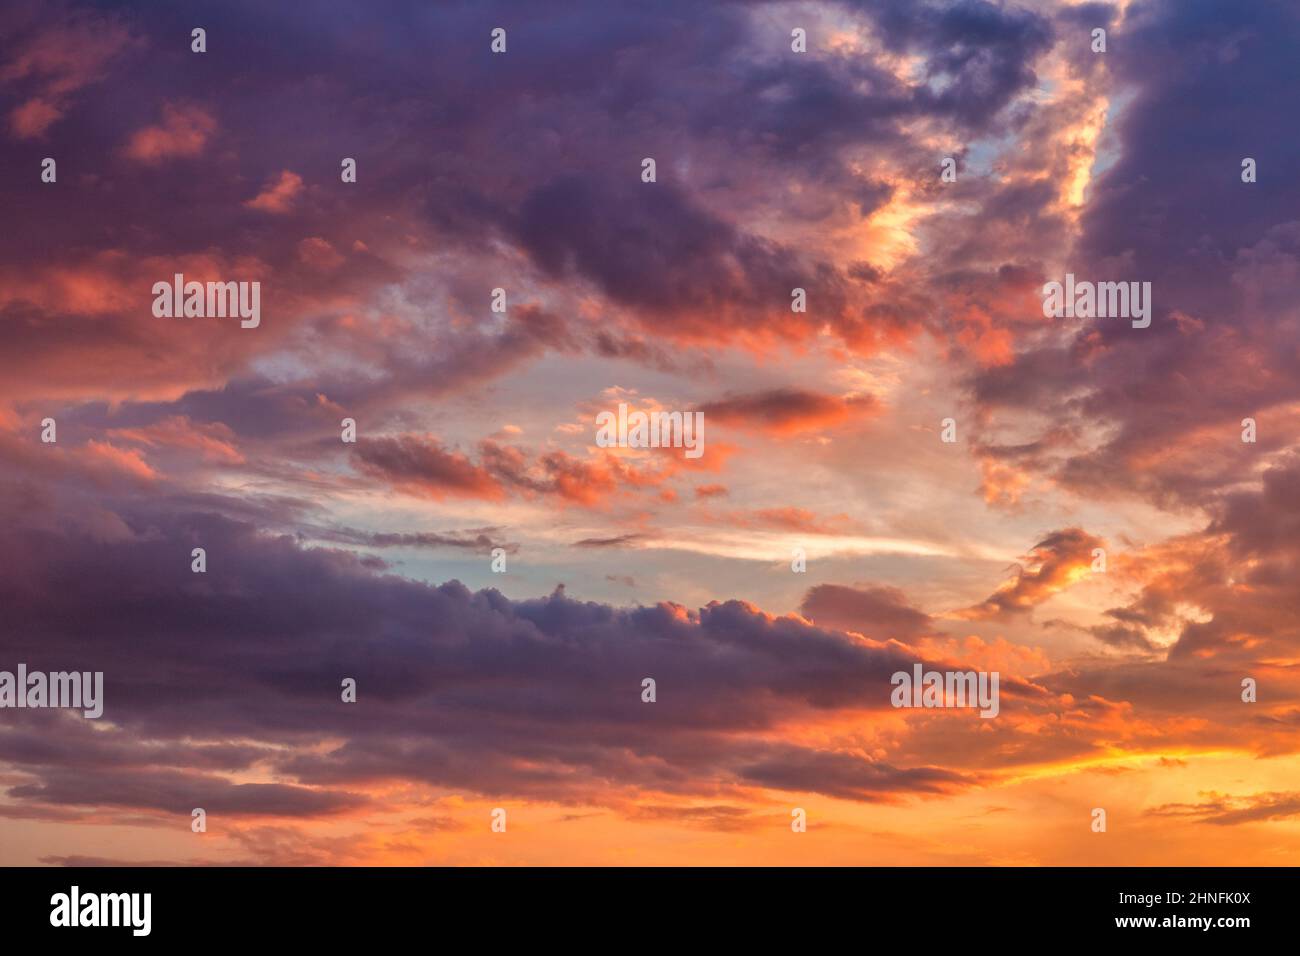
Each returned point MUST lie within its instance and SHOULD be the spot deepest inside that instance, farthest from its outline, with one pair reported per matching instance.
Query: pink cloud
(184, 131)
(33, 118)
(279, 196)
(58, 61)
(214, 442)
(126, 461)
(319, 254)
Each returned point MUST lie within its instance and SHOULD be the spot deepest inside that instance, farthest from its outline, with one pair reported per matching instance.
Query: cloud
(53, 53)
(423, 467)
(791, 518)
(849, 776)
(880, 612)
(33, 118)
(718, 818)
(1162, 406)
(1235, 811)
(667, 255)
(774, 172)
(213, 442)
(183, 133)
(496, 683)
(179, 793)
(278, 197)
(617, 541)
(478, 540)
(1053, 564)
(788, 411)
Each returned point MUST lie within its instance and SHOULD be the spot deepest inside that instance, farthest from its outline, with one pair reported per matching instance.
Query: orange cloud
(1052, 565)
(1002, 484)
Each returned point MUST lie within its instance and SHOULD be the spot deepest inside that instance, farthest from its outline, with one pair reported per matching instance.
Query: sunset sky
(776, 170)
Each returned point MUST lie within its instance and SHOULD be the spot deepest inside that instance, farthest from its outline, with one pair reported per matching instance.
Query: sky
(498, 583)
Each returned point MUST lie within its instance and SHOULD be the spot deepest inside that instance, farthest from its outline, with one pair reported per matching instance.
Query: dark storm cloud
(983, 53)
(455, 688)
(549, 140)
(655, 248)
(1172, 210)
(532, 160)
